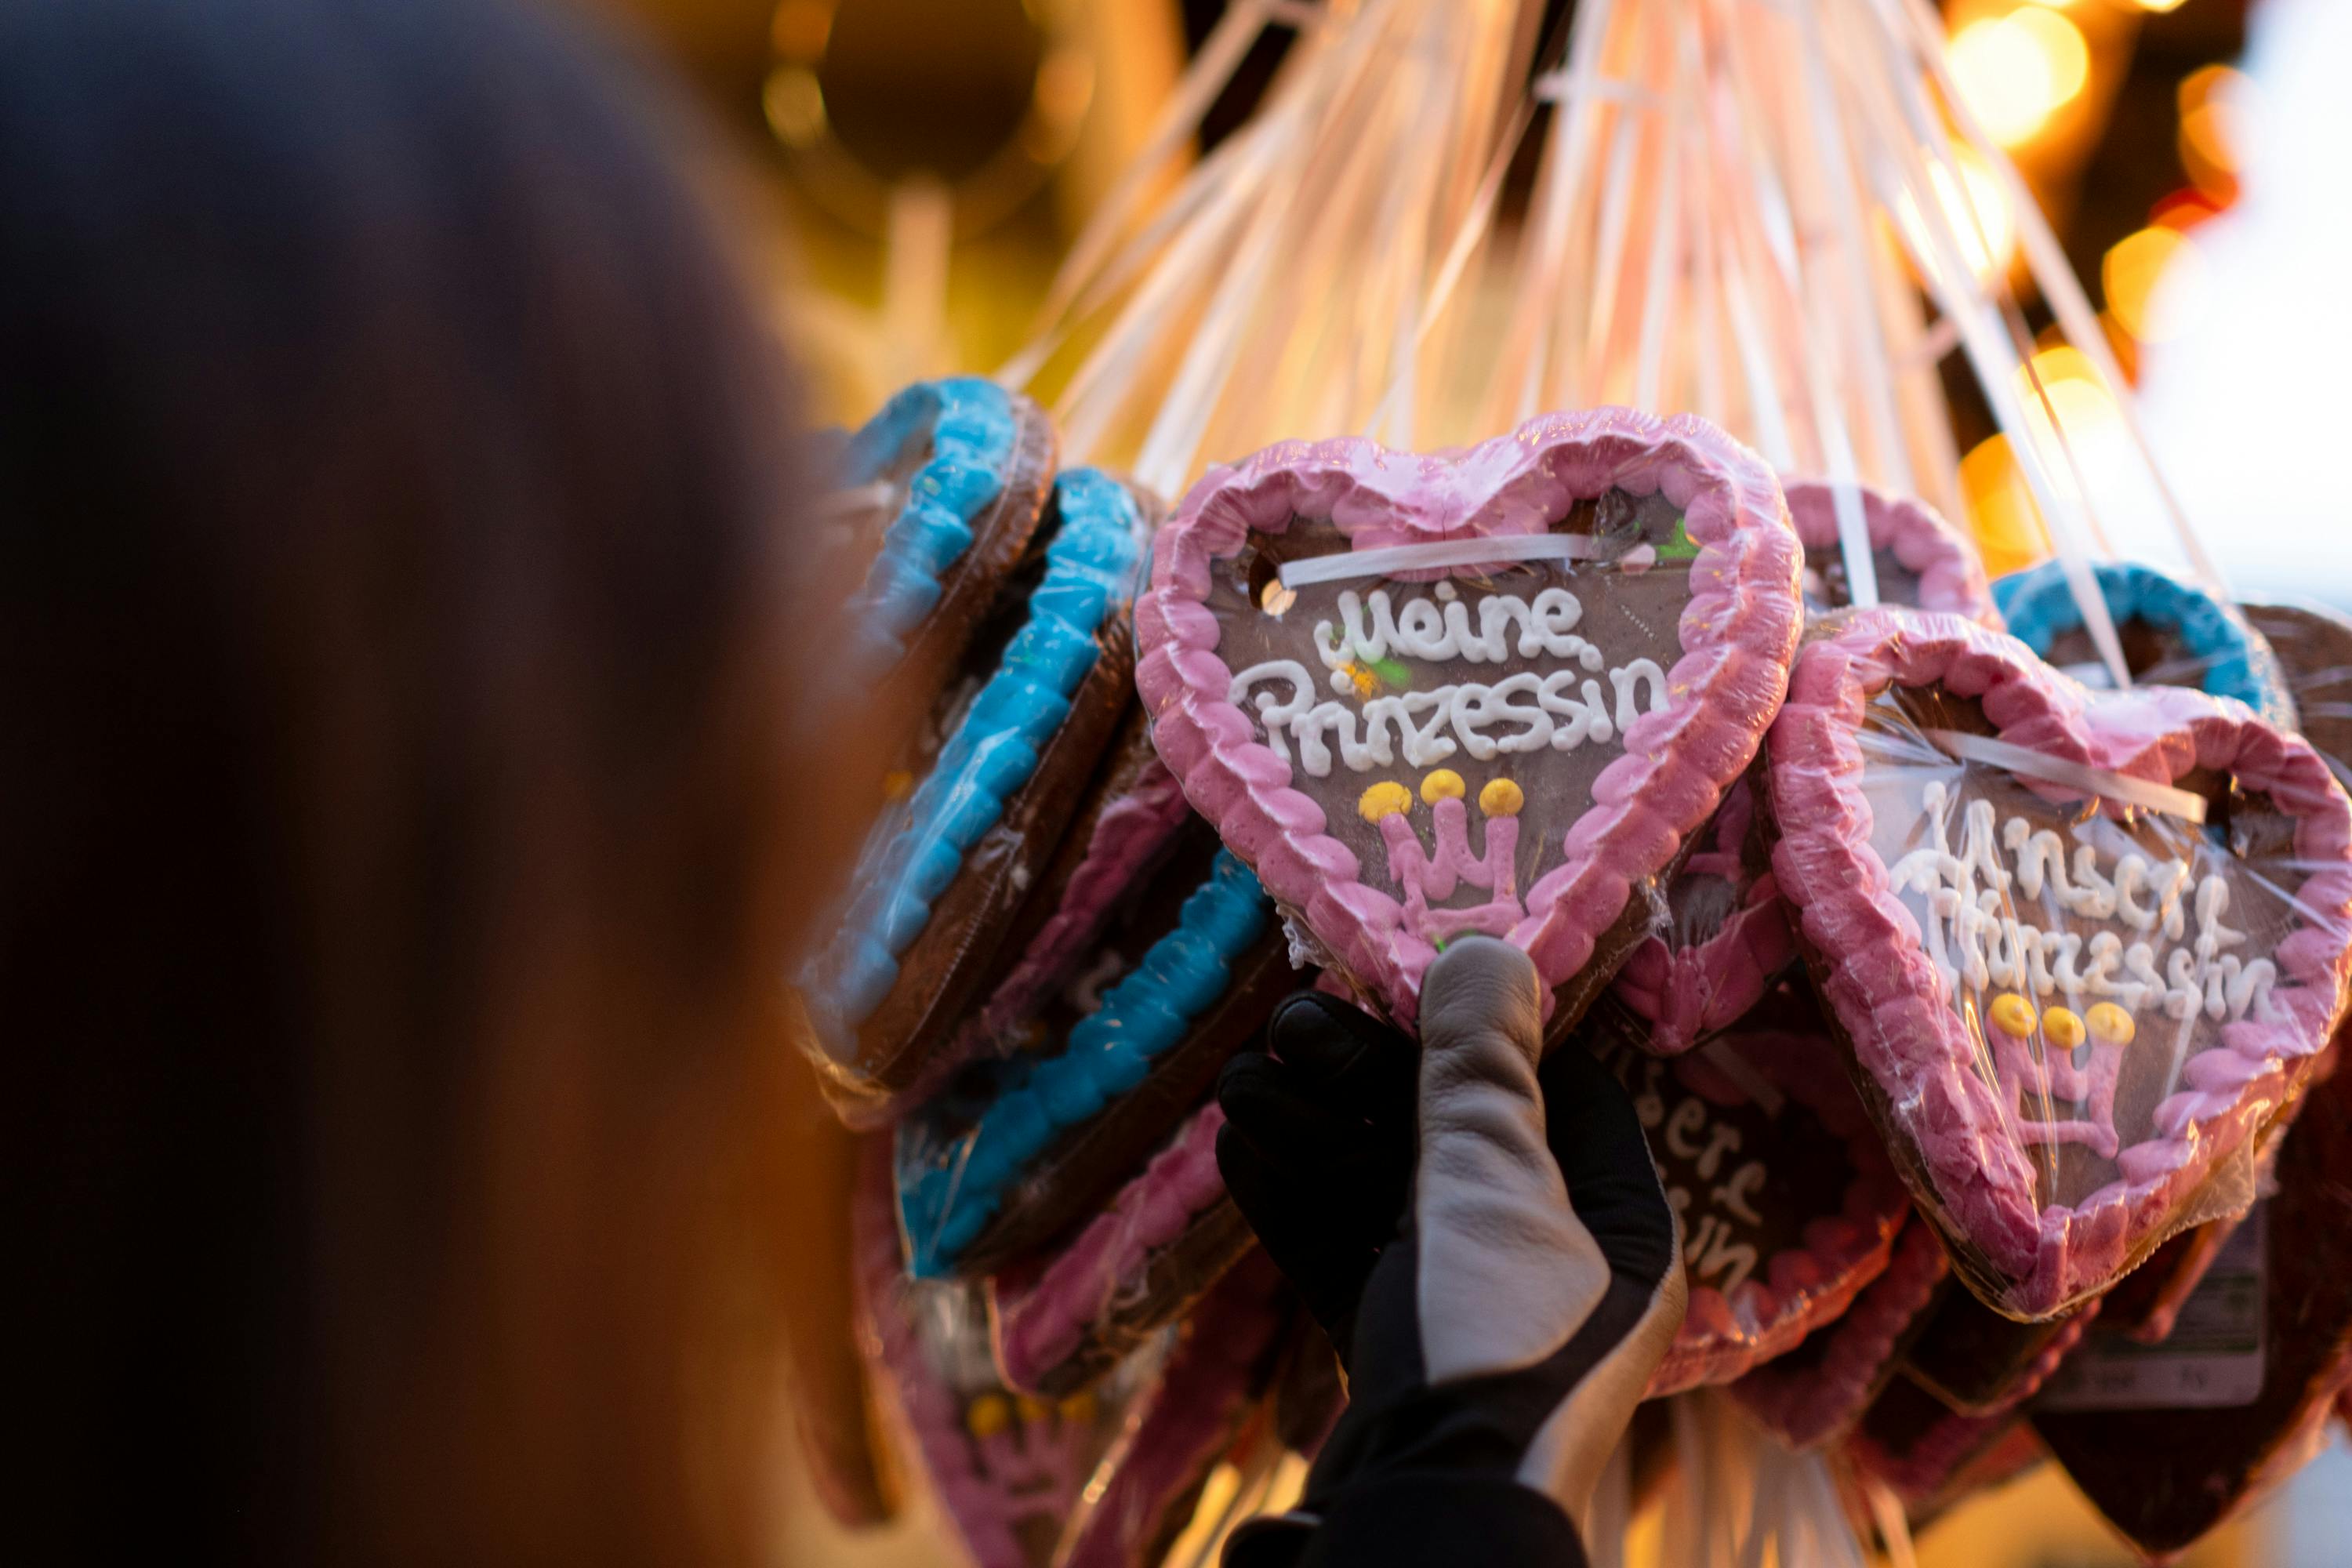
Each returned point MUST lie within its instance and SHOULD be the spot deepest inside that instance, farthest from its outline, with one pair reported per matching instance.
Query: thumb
(1508, 1273)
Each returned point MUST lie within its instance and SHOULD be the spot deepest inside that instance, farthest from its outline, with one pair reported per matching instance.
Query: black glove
(1317, 1149)
(1505, 1332)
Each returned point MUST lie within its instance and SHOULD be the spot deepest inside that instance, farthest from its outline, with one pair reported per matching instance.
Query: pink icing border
(1130, 832)
(1809, 1406)
(1204, 1399)
(1951, 576)
(1738, 633)
(1949, 1444)
(1800, 1289)
(1041, 1325)
(1904, 1030)
(1689, 992)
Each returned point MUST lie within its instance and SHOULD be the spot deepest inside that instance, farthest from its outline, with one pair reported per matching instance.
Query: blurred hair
(392, 750)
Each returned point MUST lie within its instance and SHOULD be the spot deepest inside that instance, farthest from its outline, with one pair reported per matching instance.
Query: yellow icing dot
(1366, 681)
(2012, 1015)
(1078, 1409)
(897, 784)
(1033, 1409)
(986, 1416)
(2111, 1024)
(2063, 1027)
(1385, 798)
(1501, 797)
(1444, 783)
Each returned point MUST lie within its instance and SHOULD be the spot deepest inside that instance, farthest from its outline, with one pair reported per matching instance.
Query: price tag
(2212, 1360)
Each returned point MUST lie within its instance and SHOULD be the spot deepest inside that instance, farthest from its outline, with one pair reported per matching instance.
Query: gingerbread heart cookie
(2172, 633)
(937, 494)
(1065, 1317)
(2167, 1450)
(2313, 647)
(1789, 1206)
(1575, 634)
(1817, 1391)
(1211, 1392)
(1017, 1150)
(2085, 950)
(1920, 559)
(1980, 1363)
(984, 797)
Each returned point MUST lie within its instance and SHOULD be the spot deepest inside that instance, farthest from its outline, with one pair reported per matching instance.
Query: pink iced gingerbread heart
(1495, 689)
(2078, 1003)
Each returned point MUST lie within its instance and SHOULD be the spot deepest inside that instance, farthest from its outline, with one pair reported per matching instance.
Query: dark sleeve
(1418, 1520)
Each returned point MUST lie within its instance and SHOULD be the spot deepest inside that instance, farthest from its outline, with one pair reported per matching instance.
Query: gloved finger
(1266, 1102)
(1352, 1059)
(1507, 1270)
(1596, 1137)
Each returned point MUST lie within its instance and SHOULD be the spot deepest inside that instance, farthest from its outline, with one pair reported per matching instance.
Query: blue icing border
(2040, 608)
(949, 1201)
(974, 428)
(1089, 573)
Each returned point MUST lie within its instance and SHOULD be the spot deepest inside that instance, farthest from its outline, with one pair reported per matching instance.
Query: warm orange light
(794, 105)
(801, 28)
(2001, 509)
(2217, 109)
(2155, 283)
(2159, 6)
(2016, 72)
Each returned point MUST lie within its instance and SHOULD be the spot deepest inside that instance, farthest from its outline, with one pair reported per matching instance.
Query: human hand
(1506, 1330)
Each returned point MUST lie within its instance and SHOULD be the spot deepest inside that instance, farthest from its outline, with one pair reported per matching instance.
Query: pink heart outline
(1876, 977)
(1838, 1256)
(1738, 634)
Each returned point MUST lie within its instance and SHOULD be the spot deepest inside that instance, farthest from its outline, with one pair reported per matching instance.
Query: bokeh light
(2016, 72)
(2218, 110)
(2156, 283)
(1981, 220)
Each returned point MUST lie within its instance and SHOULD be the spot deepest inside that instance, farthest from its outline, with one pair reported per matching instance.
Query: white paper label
(2212, 1359)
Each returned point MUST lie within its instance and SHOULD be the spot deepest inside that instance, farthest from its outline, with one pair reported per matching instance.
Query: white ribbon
(1507, 547)
(2183, 804)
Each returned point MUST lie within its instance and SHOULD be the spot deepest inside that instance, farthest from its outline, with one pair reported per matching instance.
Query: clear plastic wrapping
(1494, 691)
(1723, 937)
(1787, 1202)
(1980, 1363)
(1015, 1153)
(2313, 648)
(1008, 1470)
(980, 806)
(2168, 1441)
(2074, 1016)
(1211, 1393)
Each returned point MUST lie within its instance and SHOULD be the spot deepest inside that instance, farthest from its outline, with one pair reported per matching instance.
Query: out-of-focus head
(399, 849)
